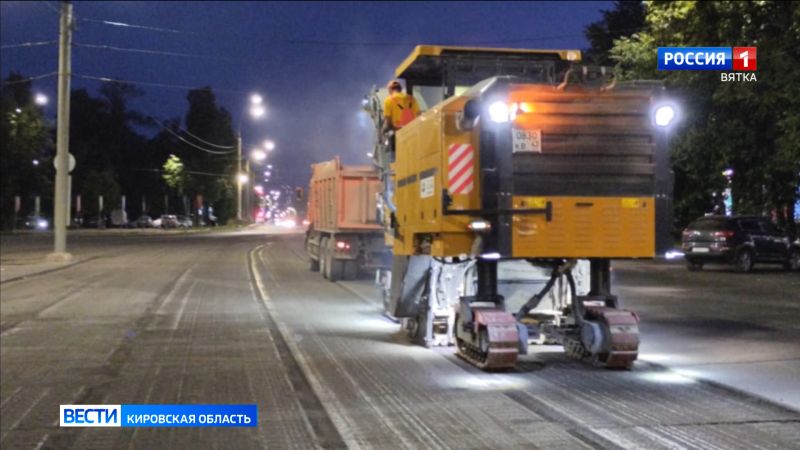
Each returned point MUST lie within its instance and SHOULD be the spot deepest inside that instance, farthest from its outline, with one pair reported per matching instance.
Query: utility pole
(238, 176)
(62, 137)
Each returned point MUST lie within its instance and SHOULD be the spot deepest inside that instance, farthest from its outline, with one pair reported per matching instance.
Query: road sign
(71, 163)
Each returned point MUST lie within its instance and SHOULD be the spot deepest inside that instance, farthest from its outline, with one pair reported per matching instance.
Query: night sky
(312, 62)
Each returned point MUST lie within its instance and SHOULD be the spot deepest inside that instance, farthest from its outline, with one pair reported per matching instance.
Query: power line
(29, 44)
(213, 152)
(37, 77)
(198, 137)
(130, 25)
(152, 52)
(117, 23)
(206, 142)
(147, 83)
(50, 5)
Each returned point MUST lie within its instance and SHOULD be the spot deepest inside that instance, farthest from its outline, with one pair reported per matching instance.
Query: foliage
(96, 184)
(626, 18)
(173, 174)
(211, 123)
(751, 127)
(24, 138)
(113, 153)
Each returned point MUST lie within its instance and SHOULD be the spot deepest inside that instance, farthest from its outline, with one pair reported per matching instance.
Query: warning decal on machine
(460, 177)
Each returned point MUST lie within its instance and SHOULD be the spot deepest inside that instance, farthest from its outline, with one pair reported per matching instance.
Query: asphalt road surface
(238, 318)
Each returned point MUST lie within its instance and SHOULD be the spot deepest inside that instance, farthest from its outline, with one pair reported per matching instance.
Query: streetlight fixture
(242, 178)
(269, 145)
(257, 111)
(258, 155)
(40, 99)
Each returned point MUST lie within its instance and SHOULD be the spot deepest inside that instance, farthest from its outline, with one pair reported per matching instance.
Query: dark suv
(740, 240)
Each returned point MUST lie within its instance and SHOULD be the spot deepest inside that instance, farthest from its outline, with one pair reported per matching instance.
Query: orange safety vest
(406, 114)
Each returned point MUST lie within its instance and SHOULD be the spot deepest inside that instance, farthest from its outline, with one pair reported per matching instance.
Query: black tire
(313, 264)
(335, 268)
(323, 268)
(350, 270)
(694, 266)
(744, 261)
(793, 263)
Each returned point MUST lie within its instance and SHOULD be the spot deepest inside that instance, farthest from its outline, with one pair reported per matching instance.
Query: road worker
(399, 108)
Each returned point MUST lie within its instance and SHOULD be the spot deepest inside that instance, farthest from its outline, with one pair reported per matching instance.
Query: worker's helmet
(394, 85)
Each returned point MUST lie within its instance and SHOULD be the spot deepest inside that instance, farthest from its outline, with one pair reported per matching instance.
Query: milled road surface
(237, 318)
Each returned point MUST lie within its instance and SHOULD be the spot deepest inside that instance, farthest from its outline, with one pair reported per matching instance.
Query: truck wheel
(350, 270)
(744, 261)
(323, 266)
(313, 264)
(335, 268)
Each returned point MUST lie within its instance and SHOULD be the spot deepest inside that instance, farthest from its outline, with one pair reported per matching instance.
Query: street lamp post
(256, 155)
(62, 138)
(256, 110)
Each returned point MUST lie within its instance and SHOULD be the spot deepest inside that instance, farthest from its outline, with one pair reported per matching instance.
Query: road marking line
(184, 300)
(41, 442)
(162, 309)
(27, 411)
(16, 391)
(322, 393)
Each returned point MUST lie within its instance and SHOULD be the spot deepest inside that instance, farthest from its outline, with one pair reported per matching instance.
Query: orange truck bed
(343, 198)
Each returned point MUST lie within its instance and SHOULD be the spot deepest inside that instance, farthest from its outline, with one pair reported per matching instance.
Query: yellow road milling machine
(526, 158)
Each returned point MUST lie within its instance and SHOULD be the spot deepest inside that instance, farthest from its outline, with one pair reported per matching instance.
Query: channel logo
(90, 415)
(707, 58)
(158, 415)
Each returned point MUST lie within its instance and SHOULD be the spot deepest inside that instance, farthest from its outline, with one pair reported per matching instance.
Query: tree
(100, 183)
(26, 149)
(752, 128)
(625, 19)
(103, 139)
(211, 124)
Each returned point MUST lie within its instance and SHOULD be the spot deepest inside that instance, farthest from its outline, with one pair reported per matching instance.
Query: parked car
(738, 240)
(34, 222)
(90, 221)
(169, 221)
(144, 221)
(184, 222)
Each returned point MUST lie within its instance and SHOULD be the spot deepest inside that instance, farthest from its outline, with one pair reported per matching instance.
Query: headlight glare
(665, 115)
(499, 112)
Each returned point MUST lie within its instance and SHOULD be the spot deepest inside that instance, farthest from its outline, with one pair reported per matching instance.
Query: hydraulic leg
(605, 333)
(486, 334)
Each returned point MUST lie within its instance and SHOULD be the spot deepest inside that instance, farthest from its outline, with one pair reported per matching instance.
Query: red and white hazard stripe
(460, 176)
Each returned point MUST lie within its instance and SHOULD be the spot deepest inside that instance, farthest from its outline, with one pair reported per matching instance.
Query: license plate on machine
(700, 250)
(529, 141)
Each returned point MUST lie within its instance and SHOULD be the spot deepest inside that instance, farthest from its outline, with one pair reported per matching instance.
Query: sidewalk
(21, 264)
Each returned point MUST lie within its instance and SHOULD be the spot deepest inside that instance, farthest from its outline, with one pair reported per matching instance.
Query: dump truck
(344, 237)
(526, 157)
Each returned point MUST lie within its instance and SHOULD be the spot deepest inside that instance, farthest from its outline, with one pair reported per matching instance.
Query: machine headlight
(665, 115)
(41, 224)
(499, 112)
